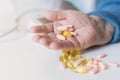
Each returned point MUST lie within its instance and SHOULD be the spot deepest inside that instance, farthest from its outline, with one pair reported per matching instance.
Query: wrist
(106, 30)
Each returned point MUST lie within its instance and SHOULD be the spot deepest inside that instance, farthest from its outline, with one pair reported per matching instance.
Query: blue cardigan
(109, 10)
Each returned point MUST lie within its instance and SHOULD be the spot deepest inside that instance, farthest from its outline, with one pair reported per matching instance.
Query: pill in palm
(60, 37)
(64, 27)
(66, 34)
(71, 29)
(73, 33)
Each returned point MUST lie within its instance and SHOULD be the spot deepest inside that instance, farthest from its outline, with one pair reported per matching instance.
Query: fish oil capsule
(80, 70)
(66, 34)
(70, 65)
(61, 59)
(84, 62)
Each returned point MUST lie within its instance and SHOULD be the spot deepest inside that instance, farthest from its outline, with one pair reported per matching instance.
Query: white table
(22, 59)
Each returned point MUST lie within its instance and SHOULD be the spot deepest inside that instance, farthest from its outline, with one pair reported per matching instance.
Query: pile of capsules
(74, 60)
(65, 31)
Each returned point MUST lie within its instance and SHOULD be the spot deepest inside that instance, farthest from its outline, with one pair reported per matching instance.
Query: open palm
(89, 33)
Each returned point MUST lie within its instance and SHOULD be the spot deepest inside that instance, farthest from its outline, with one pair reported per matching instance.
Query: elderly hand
(91, 30)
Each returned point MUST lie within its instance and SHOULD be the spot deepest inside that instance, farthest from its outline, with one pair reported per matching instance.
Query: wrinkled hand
(91, 30)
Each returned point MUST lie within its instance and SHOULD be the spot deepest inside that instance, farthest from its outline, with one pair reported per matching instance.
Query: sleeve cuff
(112, 20)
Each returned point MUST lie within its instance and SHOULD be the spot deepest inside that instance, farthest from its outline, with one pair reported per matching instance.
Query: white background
(22, 59)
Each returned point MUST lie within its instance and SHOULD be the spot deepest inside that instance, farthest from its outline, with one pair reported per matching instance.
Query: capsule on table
(101, 56)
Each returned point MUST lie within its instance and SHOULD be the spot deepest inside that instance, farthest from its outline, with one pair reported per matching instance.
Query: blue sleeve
(109, 10)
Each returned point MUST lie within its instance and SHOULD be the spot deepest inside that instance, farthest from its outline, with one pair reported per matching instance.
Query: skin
(91, 30)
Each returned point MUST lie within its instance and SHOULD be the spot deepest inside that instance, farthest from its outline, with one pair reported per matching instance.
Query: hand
(91, 30)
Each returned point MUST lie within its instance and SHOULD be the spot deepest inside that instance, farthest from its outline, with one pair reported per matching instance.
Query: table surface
(22, 59)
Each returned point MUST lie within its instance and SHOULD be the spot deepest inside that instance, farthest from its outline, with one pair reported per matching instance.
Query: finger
(36, 38)
(46, 28)
(44, 39)
(57, 45)
(56, 15)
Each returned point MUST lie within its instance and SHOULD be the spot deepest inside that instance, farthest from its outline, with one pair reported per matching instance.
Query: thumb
(55, 15)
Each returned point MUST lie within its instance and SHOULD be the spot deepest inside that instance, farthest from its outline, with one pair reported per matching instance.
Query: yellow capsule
(66, 57)
(61, 59)
(78, 56)
(84, 62)
(65, 52)
(73, 59)
(69, 57)
(77, 52)
(66, 34)
(71, 51)
(72, 54)
(80, 70)
(70, 65)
